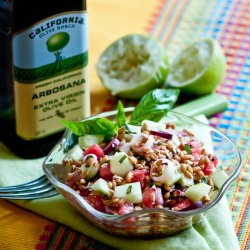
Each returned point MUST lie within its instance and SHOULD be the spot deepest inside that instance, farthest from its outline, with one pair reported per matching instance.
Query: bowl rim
(67, 134)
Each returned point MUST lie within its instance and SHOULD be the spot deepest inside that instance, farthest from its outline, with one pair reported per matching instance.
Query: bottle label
(50, 74)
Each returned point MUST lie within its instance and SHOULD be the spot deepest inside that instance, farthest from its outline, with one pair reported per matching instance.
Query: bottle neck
(30, 12)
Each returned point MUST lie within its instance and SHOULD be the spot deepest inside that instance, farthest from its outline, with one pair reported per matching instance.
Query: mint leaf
(154, 105)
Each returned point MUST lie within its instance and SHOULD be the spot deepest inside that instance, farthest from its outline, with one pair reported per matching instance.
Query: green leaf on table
(154, 105)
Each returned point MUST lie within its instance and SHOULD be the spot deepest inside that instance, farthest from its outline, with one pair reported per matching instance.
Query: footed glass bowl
(155, 222)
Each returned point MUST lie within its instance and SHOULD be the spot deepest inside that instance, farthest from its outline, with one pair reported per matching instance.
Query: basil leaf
(92, 127)
(98, 126)
(154, 105)
(120, 117)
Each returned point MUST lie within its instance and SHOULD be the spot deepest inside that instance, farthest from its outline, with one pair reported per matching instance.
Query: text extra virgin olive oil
(49, 50)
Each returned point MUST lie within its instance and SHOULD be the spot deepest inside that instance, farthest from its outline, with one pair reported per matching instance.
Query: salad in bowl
(142, 172)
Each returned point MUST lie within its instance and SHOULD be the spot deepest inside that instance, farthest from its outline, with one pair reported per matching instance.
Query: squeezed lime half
(133, 65)
(199, 68)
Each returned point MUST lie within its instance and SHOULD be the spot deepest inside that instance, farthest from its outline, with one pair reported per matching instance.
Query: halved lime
(199, 68)
(133, 65)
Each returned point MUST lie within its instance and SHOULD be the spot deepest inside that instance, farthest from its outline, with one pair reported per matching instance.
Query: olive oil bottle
(44, 77)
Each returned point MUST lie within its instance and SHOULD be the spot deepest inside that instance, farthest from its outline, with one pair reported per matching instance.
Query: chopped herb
(187, 149)
(88, 157)
(129, 189)
(122, 159)
(128, 131)
(204, 180)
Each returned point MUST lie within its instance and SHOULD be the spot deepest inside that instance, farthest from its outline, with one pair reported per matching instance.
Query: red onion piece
(177, 192)
(158, 196)
(195, 205)
(113, 144)
(162, 134)
(88, 155)
(73, 179)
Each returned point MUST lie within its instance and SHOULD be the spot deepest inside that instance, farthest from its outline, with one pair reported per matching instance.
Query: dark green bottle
(43, 75)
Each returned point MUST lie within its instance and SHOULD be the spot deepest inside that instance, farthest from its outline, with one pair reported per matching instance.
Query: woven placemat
(176, 24)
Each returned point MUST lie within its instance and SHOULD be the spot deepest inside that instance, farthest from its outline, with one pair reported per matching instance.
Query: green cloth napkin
(214, 231)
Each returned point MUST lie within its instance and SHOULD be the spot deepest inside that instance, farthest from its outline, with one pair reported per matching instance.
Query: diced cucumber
(120, 164)
(151, 125)
(169, 173)
(133, 129)
(90, 171)
(125, 147)
(86, 141)
(219, 176)
(196, 192)
(150, 141)
(101, 186)
(184, 181)
(130, 192)
(76, 153)
(213, 193)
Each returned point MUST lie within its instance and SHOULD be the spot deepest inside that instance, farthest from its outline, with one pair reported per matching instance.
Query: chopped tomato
(105, 172)
(96, 150)
(214, 160)
(126, 208)
(210, 167)
(207, 170)
(141, 176)
(196, 156)
(195, 146)
(96, 202)
(183, 204)
(152, 196)
(84, 192)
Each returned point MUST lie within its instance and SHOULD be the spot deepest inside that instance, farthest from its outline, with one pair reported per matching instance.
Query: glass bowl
(155, 222)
